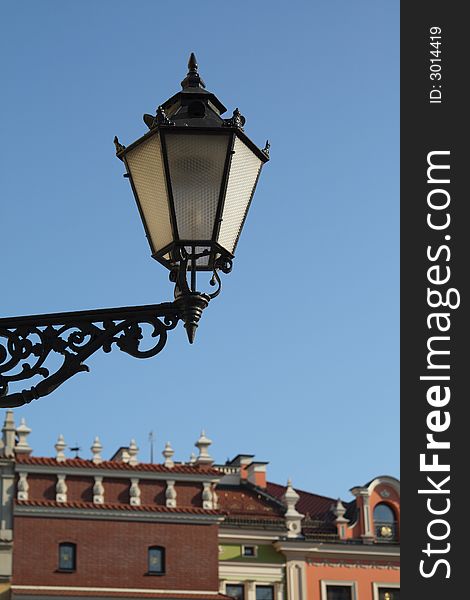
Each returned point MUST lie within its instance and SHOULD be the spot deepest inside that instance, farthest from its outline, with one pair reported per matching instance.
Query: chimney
(242, 461)
(121, 455)
(256, 473)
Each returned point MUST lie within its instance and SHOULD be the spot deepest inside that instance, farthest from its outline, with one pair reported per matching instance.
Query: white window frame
(255, 548)
(376, 587)
(326, 582)
(240, 583)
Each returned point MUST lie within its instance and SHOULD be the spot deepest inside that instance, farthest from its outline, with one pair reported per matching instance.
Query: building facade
(106, 528)
(301, 546)
(120, 528)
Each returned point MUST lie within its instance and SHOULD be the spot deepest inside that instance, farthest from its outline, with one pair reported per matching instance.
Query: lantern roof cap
(193, 89)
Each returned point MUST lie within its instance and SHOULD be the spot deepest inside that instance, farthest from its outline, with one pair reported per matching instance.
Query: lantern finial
(192, 79)
(192, 63)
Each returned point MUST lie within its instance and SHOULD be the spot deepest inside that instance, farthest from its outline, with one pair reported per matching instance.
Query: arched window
(67, 556)
(385, 523)
(156, 560)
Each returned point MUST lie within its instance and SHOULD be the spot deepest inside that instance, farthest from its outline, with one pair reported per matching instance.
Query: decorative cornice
(339, 551)
(353, 564)
(84, 510)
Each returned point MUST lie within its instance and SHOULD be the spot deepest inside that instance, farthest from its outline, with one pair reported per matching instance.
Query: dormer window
(385, 523)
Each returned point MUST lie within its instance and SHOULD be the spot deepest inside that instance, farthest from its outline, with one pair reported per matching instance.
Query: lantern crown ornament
(193, 175)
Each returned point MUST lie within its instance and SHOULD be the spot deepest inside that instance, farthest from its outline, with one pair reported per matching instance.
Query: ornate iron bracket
(27, 342)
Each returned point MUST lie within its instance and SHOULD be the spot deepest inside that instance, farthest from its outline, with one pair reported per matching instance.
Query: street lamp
(193, 175)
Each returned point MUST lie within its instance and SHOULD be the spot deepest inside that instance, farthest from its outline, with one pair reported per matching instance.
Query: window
(264, 592)
(235, 591)
(156, 560)
(339, 592)
(389, 594)
(249, 551)
(383, 512)
(385, 523)
(67, 556)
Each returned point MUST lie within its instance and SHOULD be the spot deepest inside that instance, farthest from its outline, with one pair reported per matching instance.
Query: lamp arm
(27, 342)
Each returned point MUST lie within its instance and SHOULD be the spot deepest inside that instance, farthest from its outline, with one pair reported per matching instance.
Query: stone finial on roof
(192, 458)
(341, 522)
(339, 511)
(60, 446)
(203, 444)
(8, 435)
(168, 455)
(97, 449)
(292, 516)
(22, 446)
(291, 497)
(133, 451)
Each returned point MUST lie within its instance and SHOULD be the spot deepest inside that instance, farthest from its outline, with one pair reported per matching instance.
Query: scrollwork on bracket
(27, 342)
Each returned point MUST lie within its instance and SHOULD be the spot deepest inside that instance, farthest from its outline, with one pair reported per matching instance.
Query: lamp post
(193, 175)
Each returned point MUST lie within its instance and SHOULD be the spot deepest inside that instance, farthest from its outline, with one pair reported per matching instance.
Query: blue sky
(297, 360)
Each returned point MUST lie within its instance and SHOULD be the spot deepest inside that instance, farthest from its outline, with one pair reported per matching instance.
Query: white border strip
(63, 588)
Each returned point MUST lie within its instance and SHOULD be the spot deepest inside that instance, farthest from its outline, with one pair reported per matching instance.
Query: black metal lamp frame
(164, 126)
(75, 336)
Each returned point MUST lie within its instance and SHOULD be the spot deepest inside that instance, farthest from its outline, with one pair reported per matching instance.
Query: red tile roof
(81, 463)
(111, 506)
(313, 505)
(248, 500)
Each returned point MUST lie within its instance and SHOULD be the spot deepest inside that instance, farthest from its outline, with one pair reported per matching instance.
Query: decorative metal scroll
(236, 120)
(186, 261)
(27, 342)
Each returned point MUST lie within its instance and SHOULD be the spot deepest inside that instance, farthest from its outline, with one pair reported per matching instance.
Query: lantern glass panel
(145, 165)
(196, 165)
(203, 261)
(244, 172)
